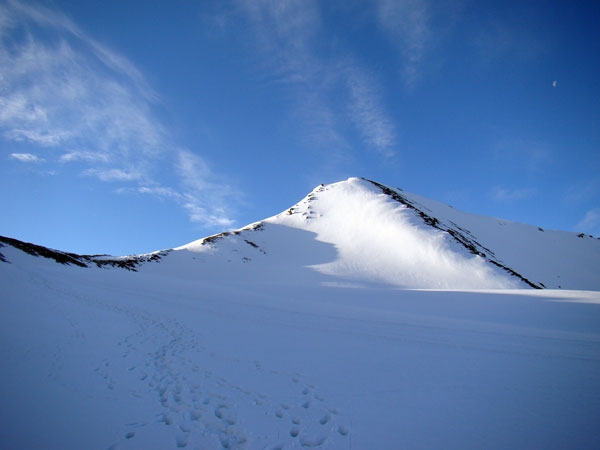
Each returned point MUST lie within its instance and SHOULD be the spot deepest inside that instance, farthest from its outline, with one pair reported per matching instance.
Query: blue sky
(130, 126)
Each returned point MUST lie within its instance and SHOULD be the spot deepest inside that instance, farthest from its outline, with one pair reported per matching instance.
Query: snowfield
(305, 331)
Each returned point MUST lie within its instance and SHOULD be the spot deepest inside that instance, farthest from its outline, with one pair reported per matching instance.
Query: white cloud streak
(113, 174)
(497, 41)
(88, 156)
(367, 113)
(503, 194)
(590, 223)
(71, 95)
(286, 31)
(288, 34)
(55, 94)
(25, 157)
(202, 194)
(407, 24)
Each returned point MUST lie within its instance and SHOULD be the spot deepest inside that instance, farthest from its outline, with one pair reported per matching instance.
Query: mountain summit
(360, 232)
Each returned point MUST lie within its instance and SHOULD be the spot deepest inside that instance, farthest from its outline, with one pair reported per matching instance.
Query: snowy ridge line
(125, 262)
(457, 233)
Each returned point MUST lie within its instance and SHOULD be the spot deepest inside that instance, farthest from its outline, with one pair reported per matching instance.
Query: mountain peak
(391, 236)
(380, 236)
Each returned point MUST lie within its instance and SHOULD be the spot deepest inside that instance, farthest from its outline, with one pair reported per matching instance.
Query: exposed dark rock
(38, 250)
(129, 262)
(250, 243)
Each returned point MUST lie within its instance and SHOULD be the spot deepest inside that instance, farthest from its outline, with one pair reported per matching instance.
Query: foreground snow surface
(110, 359)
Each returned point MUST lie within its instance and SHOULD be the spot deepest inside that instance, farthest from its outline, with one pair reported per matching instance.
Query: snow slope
(358, 231)
(298, 332)
(114, 359)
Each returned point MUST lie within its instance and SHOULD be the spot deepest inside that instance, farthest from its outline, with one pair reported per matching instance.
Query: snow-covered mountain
(298, 332)
(361, 232)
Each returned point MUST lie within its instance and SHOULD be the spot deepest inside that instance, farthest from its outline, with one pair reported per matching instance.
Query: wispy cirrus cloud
(80, 102)
(590, 223)
(203, 199)
(504, 194)
(407, 24)
(82, 155)
(533, 155)
(201, 193)
(584, 190)
(289, 36)
(367, 113)
(286, 32)
(113, 174)
(499, 40)
(26, 157)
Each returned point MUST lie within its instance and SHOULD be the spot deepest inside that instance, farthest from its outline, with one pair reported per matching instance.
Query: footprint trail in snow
(197, 407)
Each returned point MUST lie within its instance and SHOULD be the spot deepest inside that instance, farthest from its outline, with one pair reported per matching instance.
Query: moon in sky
(555, 83)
